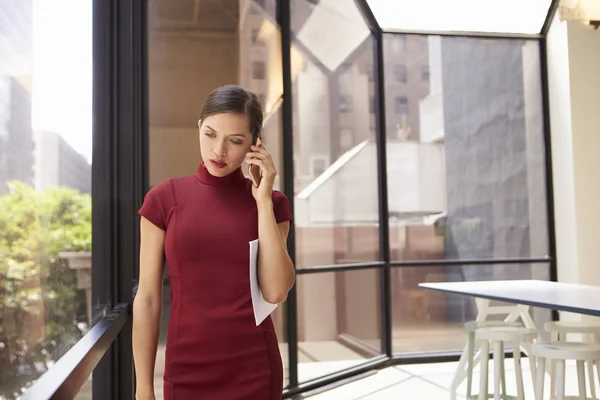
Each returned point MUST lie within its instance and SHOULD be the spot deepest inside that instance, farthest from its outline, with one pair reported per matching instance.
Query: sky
(62, 71)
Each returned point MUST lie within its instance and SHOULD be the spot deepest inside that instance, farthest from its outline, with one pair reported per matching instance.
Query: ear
(199, 123)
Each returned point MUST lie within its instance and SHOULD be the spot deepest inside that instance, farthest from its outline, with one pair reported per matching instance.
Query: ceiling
(487, 16)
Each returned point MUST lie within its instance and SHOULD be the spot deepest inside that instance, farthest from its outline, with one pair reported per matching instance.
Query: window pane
(503, 16)
(338, 321)
(428, 321)
(466, 165)
(400, 73)
(45, 185)
(336, 206)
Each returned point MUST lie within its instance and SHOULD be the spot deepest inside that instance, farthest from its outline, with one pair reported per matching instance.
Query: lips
(218, 163)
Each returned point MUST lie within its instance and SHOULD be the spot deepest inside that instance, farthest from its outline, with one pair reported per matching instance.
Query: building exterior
(16, 135)
(58, 164)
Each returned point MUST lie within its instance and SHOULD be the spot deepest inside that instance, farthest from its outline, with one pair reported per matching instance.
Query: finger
(265, 167)
(258, 162)
(259, 149)
(253, 154)
(266, 162)
(260, 156)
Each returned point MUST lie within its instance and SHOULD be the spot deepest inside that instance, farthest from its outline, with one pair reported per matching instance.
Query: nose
(220, 149)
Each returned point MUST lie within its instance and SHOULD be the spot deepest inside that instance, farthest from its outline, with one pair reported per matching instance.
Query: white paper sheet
(262, 308)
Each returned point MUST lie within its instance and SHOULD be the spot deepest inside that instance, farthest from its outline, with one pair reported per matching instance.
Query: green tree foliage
(40, 305)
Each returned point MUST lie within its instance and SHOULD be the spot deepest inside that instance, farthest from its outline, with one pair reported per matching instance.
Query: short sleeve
(159, 204)
(281, 207)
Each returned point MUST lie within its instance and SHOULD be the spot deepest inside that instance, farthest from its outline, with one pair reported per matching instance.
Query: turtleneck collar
(235, 178)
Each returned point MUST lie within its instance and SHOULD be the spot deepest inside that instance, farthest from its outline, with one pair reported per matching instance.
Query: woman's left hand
(259, 156)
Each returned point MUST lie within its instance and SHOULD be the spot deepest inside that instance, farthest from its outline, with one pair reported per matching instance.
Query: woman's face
(224, 141)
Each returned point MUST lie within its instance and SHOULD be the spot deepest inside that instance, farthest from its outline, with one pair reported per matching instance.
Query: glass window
(45, 185)
(400, 73)
(327, 204)
(427, 321)
(401, 105)
(334, 223)
(466, 165)
(462, 15)
(425, 74)
(258, 70)
(262, 98)
(320, 136)
(398, 44)
(318, 165)
(370, 73)
(345, 104)
(347, 138)
(338, 320)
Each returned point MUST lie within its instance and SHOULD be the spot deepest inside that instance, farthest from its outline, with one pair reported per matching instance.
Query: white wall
(574, 84)
(584, 59)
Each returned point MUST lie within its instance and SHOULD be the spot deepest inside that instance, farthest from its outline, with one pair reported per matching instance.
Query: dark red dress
(214, 348)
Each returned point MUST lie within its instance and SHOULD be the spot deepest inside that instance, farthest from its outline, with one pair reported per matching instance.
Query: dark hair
(235, 99)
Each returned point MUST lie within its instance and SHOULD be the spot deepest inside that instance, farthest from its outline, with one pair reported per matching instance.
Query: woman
(203, 224)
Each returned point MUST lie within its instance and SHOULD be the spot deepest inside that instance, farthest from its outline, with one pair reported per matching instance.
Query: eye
(210, 134)
(236, 141)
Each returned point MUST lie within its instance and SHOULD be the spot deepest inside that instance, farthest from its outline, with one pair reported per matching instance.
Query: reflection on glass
(45, 180)
(465, 151)
(462, 15)
(429, 321)
(338, 321)
(194, 47)
(336, 207)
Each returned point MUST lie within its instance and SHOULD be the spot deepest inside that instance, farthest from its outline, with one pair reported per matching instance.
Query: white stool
(497, 337)
(559, 331)
(560, 352)
(471, 328)
(510, 313)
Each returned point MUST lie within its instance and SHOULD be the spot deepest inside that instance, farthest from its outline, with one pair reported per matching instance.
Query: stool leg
(497, 369)
(460, 370)
(470, 355)
(483, 367)
(581, 379)
(553, 338)
(560, 379)
(590, 370)
(541, 374)
(503, 370)
(597, 371)
(518, 372)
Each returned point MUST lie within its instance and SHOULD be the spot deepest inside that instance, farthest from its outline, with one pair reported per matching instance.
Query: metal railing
(66, 378)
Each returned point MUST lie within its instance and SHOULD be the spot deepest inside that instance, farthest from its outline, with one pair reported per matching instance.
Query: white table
(575, 298)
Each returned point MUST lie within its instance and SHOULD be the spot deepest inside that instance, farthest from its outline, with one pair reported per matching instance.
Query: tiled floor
(418, 381)
(432, 382)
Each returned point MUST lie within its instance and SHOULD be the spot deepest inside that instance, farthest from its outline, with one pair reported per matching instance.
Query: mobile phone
(254, 170)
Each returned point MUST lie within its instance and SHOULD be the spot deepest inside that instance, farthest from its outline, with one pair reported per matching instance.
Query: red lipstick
(218, 163)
